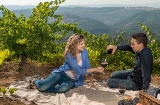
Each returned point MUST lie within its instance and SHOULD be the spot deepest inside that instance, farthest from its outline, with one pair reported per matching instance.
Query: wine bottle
(109, 51)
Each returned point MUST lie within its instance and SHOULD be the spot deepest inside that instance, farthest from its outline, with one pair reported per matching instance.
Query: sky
(80, 2)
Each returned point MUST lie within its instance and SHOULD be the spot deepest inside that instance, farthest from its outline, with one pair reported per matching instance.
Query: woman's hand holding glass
(101, 69)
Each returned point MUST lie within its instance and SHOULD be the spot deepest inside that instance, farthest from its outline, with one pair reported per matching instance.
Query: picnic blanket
(100, 95)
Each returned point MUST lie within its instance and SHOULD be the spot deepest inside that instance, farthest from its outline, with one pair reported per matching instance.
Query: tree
(36, 36)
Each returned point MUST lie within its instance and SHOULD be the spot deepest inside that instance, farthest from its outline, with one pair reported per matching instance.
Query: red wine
(122, 91)
(104, 64)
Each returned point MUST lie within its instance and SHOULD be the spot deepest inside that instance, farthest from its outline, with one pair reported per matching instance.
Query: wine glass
(122, 88)
(104, 63)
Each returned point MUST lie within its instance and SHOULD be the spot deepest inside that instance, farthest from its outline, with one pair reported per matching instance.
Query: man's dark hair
(141, 38)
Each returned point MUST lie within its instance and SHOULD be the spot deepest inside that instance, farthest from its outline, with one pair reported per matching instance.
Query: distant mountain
(109, 20)
(90, 25)
(19, 7)
(153, 5)
(107, 15)
(148, 18)
(118, 19)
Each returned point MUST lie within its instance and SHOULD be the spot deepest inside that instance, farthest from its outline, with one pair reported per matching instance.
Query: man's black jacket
(143, 65)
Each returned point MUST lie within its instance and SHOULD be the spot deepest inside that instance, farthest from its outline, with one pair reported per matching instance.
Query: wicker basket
(146, 99)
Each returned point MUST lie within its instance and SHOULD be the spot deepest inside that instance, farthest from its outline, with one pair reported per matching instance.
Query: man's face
(135, 46)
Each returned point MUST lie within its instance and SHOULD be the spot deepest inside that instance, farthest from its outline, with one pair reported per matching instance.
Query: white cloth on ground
(100, 95)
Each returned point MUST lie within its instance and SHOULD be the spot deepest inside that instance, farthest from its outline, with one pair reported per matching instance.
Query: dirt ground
(8, 74)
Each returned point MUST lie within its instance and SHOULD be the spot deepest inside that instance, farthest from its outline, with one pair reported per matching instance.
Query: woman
(71, 73)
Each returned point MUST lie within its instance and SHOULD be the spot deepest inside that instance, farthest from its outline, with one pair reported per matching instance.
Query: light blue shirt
(70, 63)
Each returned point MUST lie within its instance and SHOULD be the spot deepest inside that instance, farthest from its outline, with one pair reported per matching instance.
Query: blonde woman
(71, 73)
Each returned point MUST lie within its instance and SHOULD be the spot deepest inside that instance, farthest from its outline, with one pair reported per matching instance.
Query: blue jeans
(56, 82)
(122, 76)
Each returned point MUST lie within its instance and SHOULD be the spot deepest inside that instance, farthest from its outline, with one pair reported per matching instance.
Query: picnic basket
(146, 99)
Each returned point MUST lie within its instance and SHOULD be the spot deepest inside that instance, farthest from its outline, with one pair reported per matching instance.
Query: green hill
(107, 15)
(109, 20)
(148, 18)
(90, 25)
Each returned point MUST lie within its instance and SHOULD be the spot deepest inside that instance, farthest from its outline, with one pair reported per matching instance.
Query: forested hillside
(108, 20)
(117, 19)
(90, 25)
(149, 18)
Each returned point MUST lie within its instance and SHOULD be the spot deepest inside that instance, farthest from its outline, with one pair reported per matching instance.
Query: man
(140, 77)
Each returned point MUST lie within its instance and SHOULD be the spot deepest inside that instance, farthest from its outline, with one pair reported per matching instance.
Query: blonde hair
(72, 43)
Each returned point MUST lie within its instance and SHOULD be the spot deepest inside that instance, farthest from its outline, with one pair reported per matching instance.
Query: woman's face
(81, 46)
